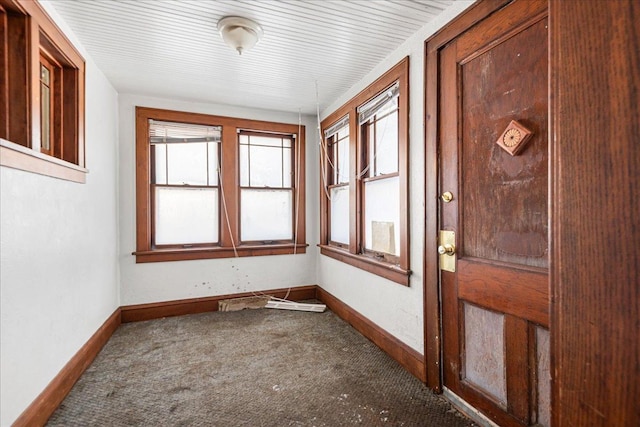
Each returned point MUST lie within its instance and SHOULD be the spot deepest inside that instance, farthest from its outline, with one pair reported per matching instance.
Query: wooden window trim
(353, 254)
(16, 156)
(380, 177)
(229, 154)
(163, 255)
(27, 32)
(367, 263)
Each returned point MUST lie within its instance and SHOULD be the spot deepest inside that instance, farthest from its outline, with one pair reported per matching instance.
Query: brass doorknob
(447, 249)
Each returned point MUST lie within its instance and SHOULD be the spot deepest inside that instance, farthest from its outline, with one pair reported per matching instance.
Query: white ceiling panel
(172, 49)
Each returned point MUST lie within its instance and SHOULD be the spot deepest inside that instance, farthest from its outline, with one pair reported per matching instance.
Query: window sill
(164, 255)
(16, 156)
(371, 265)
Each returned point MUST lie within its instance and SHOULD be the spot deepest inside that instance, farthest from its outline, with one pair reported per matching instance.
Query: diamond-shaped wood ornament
(514, 138)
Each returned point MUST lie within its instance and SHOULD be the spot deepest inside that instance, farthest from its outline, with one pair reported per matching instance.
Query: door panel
(483, 367)
(497, 300)
(492, 285)
(505, 197)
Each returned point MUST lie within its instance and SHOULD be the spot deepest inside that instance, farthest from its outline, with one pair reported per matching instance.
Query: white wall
(165, 281)
(66, 248)
(395, 308)
(58, 251)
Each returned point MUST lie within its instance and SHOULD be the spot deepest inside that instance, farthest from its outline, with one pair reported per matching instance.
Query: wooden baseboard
(136, 313)
(47, 402)
(406, 356)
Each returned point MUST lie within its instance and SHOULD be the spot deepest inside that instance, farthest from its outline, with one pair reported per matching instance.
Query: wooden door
(495, 313)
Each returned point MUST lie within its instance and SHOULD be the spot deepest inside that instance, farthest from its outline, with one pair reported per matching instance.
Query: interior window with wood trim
(364, 205)
(184, 184)
(41, 94)
(337, 137)
(216, 187)
(266, 187)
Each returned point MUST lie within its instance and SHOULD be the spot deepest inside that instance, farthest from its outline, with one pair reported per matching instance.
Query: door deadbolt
(447, 196)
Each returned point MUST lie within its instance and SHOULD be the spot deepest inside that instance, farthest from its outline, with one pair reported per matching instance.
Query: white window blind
(386, 99)
(337, 126)
(168, 132)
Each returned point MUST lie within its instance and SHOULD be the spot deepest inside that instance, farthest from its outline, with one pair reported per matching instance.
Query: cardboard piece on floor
(298, 306)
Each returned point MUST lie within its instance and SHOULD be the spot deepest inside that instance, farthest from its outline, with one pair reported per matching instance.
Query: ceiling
(172, 49)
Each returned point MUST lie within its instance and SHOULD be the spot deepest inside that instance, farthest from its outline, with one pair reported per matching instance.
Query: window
(364, 208)
(42, 94)
(378, 120)
(338, 184)
(46, 104)
(184, 183)
(215, 187)
(266, 186)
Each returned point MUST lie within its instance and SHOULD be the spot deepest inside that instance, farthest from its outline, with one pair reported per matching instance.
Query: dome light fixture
(239, 33)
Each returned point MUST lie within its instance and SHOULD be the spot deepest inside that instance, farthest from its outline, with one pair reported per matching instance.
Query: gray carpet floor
(248, 368)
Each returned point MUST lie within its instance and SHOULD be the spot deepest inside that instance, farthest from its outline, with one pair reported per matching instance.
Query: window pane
(45, 109)
(212, 153)
(265, 166)
(187, 164)
(266, 140)
(186, 215)
(343, 161)
(382, 215)
(244, 165)
(386, 157)
(339, 214)
(44, 75)
(266, 215)
(287, 172)
(160, 166)
(338, 140)
(45, 118)
(333, 163)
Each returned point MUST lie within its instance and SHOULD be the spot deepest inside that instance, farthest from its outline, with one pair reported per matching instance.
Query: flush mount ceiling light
(239, 33)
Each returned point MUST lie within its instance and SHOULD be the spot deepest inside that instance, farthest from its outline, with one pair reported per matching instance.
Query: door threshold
(463, 406)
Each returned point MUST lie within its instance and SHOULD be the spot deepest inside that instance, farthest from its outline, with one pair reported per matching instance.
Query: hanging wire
(296, 210)
(297, 206)
(226, 213)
